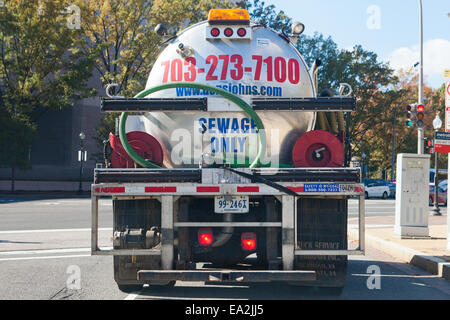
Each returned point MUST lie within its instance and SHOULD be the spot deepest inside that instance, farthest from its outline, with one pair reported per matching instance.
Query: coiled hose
(232, 97)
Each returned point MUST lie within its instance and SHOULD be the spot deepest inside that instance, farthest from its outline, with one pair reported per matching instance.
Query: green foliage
(41, 69)
(16, 136)
(268, 16)
(121, 35)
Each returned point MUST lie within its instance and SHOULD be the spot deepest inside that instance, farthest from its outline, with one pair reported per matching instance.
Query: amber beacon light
(228, 16)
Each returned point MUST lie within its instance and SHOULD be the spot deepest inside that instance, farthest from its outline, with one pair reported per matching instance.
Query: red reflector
(208, 189)
(248, 241)
(110, 190)
(296, 189)
(241, 32)
(205, 237)
(247, 189)
(228, 32)
(160, 189)
(215, 32)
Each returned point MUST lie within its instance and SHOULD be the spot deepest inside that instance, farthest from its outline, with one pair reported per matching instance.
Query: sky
(389, 28)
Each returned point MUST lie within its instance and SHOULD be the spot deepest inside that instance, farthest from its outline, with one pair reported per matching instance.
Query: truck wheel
(129, 288)
(385, 195)
(366, 194)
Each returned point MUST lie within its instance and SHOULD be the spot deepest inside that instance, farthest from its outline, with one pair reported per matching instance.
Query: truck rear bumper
(225, 276)
(161, 184)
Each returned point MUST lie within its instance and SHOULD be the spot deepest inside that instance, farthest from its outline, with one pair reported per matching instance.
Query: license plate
(231, 204)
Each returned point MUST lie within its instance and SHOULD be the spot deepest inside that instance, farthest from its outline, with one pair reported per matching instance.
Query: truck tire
(129, 288)
(322, 224)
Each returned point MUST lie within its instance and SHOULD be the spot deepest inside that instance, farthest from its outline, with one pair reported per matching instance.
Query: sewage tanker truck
(229, 166)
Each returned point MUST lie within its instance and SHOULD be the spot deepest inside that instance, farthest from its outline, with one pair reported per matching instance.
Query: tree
(121, 34)
(370, 126)
(41, 69)
(268, 16)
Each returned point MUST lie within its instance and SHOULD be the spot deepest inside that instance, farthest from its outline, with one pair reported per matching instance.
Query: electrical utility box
(412, 192)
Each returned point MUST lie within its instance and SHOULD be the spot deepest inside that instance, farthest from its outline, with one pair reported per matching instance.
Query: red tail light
(241, 32)
(205, 237)
(228, 32)
(215, 32)
(248, 241)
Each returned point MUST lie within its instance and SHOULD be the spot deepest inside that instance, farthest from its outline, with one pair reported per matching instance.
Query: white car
(377, 190)
(443, 184)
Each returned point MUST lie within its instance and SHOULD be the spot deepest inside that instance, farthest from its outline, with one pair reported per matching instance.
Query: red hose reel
(318, 148)
(144, 144)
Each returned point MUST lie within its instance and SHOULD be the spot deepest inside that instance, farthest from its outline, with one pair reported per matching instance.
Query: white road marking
(132, 295)
(47, 251)
(45, 257)
(47, 203)
(52, 230)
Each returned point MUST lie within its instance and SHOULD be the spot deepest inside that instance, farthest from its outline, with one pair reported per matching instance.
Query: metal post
(436, 210)
(287, 231)
(167, 232)
(420, 134)
(94, 224)
(393, 145)
(80, 186)
(82, 136)
(362, 222)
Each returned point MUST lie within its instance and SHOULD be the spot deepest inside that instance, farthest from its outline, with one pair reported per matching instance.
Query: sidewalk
(24, 186)
(429, 254)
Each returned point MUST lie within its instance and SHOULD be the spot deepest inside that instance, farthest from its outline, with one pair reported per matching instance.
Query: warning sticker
(321, 187)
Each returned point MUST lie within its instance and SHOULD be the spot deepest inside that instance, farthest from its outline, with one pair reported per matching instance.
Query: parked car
(443, 184)
(442, 196)
(392, 186)
(376, 188)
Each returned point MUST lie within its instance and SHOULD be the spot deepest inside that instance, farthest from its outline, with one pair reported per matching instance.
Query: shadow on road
(20, 242)
(12, 198)
(392, 283)
(252, 291)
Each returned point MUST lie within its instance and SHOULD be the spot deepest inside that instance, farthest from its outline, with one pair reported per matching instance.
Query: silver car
(377, 190)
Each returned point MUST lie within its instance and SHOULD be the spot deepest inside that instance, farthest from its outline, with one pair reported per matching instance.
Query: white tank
(260, 65)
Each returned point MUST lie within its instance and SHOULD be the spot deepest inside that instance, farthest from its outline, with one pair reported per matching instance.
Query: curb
(416, 258)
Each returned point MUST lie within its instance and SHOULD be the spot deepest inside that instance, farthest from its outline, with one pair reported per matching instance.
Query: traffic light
(429, 146)
(409, 115)
(420, 116)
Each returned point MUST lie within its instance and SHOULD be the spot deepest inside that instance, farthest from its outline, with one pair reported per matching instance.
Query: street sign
(442, 142)
(447, 107)
(446, 73)
(447, 94)
(447, 119)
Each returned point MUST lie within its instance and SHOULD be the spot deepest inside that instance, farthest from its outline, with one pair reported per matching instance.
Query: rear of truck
(231, 168)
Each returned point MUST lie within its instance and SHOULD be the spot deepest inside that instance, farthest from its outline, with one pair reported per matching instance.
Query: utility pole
(420, 134)
(81, 158)
(393, 145)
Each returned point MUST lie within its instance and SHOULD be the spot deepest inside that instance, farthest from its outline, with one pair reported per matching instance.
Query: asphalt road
(44, 244)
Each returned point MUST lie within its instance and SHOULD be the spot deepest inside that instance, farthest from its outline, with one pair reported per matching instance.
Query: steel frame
(167, 198)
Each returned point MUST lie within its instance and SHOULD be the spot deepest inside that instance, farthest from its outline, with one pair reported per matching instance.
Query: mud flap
(322, 225)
